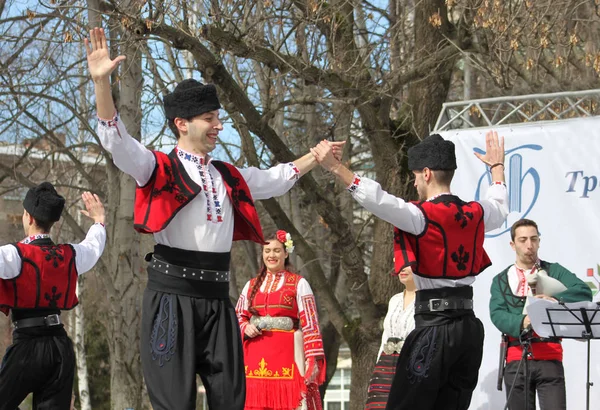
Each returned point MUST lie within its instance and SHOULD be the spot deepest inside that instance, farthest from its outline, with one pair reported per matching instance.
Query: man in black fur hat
(195, 207)
(38, 280)
(441, 237)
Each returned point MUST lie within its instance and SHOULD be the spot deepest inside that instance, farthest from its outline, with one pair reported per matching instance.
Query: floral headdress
(286, 239)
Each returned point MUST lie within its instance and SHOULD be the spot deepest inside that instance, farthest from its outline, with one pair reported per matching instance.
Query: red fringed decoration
(284, 395)
(321, 370)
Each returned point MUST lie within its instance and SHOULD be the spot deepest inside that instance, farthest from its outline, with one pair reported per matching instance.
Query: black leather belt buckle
(52, 320)
(436, 305)
(441, 304)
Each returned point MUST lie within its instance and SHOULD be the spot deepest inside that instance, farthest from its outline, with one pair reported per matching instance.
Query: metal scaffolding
(488, 112)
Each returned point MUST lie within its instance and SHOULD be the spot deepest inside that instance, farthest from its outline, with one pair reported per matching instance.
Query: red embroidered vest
(451, 246)
(170, 188)
(278, 303)
(48, 279)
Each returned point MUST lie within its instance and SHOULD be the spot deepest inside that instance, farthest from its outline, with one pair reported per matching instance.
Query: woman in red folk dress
(283, 349)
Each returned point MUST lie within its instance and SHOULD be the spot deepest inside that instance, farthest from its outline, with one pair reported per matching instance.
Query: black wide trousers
(439, 364)
(42, 365)
(189, 327)
(183, 336)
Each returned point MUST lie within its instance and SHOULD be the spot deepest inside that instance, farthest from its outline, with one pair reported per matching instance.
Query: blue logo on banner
(516, 178)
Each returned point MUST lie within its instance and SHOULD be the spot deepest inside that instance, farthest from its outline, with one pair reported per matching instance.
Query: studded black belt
(439, 305)
(206, 275)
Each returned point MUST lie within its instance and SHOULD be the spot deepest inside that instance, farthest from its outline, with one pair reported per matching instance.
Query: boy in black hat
(195, 207)
(38, 279)
(441, 237)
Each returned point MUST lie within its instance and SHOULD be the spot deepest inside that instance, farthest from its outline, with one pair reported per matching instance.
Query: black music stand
(579, 320)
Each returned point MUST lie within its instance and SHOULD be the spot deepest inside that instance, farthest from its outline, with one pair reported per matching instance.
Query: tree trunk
(122, 271)
(124, 314)
(125, 263)
(80, 355)
(363, 352)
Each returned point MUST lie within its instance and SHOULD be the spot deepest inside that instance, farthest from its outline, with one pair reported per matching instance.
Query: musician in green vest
(510, 289)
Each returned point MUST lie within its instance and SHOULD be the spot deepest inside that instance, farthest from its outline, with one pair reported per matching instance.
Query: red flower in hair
(281, 235)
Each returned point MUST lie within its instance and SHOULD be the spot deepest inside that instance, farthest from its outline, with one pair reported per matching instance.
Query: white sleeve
(495, 206)
(386, 330)
(303, 289)
(128, 154)
(384, 337)
(403, 215)
(275, 181)
(242, 303)
(90, 249)
(10, 262)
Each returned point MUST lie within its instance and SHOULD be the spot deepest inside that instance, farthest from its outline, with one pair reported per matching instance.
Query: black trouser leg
(13, 380)
(438, 366)
(167, 350)
(463, 367)
(219, 358)
(182, 336)
(517, 396)
(44, 366)
(550, 384)
(57, 392)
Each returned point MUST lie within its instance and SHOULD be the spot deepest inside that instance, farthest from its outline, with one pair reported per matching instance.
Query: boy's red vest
(170, 188)
(48, 279)
(451, 246)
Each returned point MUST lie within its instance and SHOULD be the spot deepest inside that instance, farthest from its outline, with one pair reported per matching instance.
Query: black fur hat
(434, 153)
(44, 203)
(191, 98)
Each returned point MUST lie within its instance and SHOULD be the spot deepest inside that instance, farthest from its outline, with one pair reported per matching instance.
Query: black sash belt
(440, 305)
(189, 273)
(45, 321)
(514, 343)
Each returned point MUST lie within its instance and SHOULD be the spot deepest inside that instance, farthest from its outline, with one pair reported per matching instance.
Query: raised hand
(494, 149)
(98, 56)
(93, 206)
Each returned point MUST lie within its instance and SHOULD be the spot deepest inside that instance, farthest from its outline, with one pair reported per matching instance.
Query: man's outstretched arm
(101, 66)
(369, 194)
(129, 155)
(407, 216)
(307, 162)
(279, 179)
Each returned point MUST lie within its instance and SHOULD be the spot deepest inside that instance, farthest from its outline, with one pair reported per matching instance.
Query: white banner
(553, 173)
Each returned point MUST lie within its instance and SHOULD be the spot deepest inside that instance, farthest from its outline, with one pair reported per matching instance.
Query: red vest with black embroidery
(171, 188)
(450, 247)
(48, 279)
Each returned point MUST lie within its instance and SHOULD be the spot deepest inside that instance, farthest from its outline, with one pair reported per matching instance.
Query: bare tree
(289, 72)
